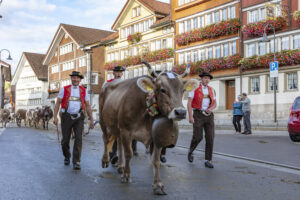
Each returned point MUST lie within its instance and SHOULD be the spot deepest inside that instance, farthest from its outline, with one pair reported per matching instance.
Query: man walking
(74, 100)
(201, 103)
(247, 112)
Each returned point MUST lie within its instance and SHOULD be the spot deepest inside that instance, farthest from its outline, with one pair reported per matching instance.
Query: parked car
(294, 121)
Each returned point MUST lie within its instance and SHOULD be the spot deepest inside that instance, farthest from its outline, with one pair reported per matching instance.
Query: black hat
(206, 74)
(118, 69)
(75, 73)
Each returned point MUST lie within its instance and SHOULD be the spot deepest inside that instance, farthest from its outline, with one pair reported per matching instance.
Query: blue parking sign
(274, 69)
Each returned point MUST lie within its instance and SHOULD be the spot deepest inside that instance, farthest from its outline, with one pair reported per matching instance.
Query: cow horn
(150, 69)
(186, 72)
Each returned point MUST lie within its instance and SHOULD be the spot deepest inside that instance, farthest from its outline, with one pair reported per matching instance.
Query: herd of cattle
(31, 117)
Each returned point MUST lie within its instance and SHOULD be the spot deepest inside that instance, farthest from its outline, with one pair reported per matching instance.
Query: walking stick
(57, 132)
(90, 128)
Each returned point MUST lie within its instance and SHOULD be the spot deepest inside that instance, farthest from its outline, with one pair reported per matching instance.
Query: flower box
(296, 16)
(210, 65)
(257, 29)
(153, 56)
(285, 58)
(134, 38)
(222, 28)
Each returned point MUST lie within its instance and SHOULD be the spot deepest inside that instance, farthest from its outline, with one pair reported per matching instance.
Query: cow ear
(145, 84)
(191, 84)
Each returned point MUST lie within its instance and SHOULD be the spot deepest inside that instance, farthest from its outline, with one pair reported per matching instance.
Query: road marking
(256, 162)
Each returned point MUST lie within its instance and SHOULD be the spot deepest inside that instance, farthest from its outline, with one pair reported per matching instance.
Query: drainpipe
(89, 75)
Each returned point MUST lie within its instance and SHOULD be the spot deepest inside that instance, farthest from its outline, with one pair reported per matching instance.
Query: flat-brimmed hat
(75, 73)
(118, 69)
(206, 74)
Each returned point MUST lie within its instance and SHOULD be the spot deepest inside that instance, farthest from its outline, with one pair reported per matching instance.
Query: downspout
(89, 75)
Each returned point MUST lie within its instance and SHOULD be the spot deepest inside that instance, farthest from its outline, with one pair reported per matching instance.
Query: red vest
(67, 94)
(198, 98)
(111, 80)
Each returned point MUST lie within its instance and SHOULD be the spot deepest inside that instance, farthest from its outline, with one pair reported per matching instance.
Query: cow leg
(126, 141)
(105, 160)
(120, 156)
(44, 124)
(157, 186)
(25, 122)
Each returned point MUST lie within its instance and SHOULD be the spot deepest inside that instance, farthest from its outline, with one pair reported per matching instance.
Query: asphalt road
(31, 167)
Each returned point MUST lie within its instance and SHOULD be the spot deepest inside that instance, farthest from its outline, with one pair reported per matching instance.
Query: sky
(30, 25)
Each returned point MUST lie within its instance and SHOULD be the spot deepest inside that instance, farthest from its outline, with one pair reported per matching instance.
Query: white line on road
(259, 163)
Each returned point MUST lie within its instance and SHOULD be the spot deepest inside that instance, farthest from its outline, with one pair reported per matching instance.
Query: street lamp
(0, 5)
(9, 57)
(265, 39)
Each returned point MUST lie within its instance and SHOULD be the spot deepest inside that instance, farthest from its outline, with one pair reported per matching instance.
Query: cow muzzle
(178, 114)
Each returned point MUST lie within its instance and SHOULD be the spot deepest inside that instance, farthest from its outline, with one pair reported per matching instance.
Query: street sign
(274, 69)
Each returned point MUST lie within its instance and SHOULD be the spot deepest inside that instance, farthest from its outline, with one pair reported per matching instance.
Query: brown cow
(46, 115)
(29, 117)
(37, 116)
(125, 116)
(21, 114)
(4, 116)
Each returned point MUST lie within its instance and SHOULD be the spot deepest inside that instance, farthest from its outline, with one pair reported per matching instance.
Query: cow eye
(163, 90)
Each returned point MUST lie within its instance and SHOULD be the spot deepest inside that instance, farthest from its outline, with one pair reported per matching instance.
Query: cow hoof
(105, 164)
(126, 178)
(120, 170)
(159, 189)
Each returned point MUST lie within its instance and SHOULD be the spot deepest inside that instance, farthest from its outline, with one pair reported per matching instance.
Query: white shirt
(205, 101)
(74, 106)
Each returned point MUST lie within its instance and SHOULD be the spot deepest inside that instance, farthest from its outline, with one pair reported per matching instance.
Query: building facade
(5, 78)
(256, 79)
(30, 82)
(143, 26)
(75, 48)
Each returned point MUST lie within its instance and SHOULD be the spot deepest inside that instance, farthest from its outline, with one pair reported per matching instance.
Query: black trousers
(115, 148)
(237, 122)
(67, 124)
(205, 123)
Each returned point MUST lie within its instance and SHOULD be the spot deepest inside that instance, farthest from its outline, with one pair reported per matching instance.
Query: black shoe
(163, 159)
(245, 133)
(208, 164)
(67, 161)
(76, 166)
(114, 159)
(190, 157)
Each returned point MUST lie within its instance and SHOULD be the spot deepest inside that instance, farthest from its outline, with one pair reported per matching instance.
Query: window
(68, 65)
(254, 82)
(262, 48)
(188, 25)
(271, 45)
(170, 42)
(181, 27)
(54, 69)
(122, 54)
(170, 65)
(233, 48)
(131, 29)
(140, 71)
(146, 25)
(208, 19)
(253, 16)
(164, 43)
(158, 45)
(285, 43)
(210, 52)
(217, 51)
(195, 56)
(217, 16)
(201, 21)
(138, 11)
(181, 58)
(251, 50)
(224, 14)
(136, 28)
(292, 83)
(152, 46)
(202, 54)
(82, 62)
(262, 14)
(195, 22)
(297, 41)
(141, 27)
(180, 2)
(232, 12)
(188, 57)
(225, 50)
(150, 22)
(271, 84)
(135, 72)
(134, 12)
(66, 49)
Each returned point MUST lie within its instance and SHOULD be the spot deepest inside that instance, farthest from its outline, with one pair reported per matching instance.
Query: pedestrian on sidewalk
(74, 100)
(246, 114)
(237, 115)
(201, 103)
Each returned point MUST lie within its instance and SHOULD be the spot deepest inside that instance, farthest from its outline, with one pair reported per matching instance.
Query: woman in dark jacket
(237, 115)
